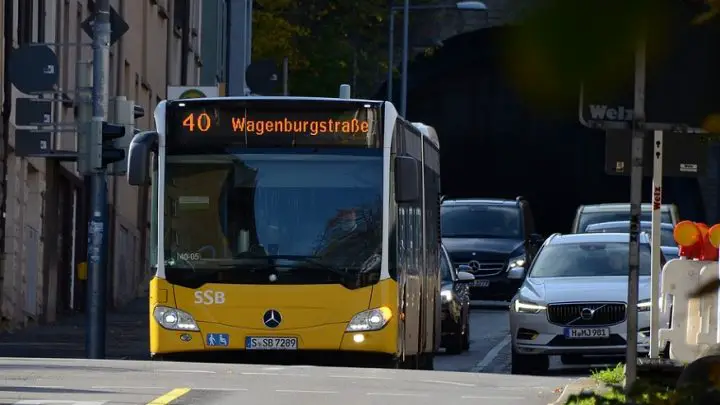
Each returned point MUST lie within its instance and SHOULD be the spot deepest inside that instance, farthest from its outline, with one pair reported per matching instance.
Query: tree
(274, 35)
(328, 42)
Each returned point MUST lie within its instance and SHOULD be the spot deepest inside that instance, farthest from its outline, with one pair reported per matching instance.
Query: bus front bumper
(221, 338)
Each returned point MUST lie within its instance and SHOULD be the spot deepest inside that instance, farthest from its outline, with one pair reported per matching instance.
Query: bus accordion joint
(696, 241)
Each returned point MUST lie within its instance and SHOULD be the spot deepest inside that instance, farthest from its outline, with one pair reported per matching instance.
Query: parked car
(573, 301)
(667, 240)
(595, 213)
(455, 296)
(489, 236)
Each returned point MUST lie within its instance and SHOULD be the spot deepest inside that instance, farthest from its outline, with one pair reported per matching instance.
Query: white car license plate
(587, 333)
(481, 283)
(271, 343)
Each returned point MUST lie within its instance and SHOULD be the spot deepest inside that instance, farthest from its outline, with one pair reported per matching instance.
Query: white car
(574, 300)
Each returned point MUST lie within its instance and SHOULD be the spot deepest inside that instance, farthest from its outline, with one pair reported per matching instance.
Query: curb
(574, 388)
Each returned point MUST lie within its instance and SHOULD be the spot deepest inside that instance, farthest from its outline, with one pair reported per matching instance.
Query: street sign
(39, 144)
(28, 111)
(681, 78)
(118, 26)
(684, 155)
(178, 92)
(28, 143)
(262, 76)
(34, 69)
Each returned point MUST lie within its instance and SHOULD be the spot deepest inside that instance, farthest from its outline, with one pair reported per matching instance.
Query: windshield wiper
(313, 263)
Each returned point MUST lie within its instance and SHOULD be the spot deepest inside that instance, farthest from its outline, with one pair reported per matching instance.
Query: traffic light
(111, 153)
(125, 114)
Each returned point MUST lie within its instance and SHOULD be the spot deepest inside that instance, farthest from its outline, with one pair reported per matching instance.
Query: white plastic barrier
(694, 321)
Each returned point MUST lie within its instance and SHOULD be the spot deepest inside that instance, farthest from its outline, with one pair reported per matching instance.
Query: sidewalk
(126, 336)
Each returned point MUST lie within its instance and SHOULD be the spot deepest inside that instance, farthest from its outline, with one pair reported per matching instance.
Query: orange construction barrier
(696, 241)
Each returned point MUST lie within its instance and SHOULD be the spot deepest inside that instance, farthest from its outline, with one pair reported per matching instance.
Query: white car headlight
(644, 305)
(517, 261)
(446, 296)
(528, 307)
(372, 319)
(174, 319)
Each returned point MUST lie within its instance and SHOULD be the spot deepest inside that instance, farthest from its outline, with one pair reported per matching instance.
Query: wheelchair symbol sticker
(218, 339)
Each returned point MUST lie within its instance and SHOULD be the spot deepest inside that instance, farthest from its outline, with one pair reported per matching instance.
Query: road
(99, 382)
(490, 347)
(479, 376)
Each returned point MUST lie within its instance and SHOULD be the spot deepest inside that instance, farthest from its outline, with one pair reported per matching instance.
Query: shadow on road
(126, 333)
(50, 390)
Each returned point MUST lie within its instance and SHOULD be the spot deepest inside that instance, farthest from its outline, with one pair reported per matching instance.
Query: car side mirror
(465, 268)
(516, 273)
(465, 277)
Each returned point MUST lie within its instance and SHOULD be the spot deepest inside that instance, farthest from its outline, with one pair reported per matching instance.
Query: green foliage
(610, 376)
(328, 42)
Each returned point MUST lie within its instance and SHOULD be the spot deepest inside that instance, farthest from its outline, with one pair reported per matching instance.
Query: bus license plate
(587, 333)
(270, 343)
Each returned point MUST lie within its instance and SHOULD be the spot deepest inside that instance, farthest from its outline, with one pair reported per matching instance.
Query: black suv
(486, 237)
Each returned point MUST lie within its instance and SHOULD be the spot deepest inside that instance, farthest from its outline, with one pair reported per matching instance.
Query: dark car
(490, 236)
(455, 295)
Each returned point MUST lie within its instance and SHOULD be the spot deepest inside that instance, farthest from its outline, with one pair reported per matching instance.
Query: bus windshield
(282, 216)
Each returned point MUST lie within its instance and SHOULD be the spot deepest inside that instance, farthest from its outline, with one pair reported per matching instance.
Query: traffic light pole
(97, 271)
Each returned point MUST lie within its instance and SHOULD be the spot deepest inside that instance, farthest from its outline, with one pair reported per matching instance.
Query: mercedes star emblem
(272, 318)
(474, 264)
(587, 314)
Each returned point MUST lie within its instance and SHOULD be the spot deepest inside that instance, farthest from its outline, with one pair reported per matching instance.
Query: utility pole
(97, 285)
(636, 175)
(405, 51)
(239, 45)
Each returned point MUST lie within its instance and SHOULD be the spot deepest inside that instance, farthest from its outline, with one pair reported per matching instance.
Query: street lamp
(406, 8)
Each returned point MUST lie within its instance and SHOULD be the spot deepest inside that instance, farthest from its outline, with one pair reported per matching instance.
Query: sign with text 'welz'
(208, 126)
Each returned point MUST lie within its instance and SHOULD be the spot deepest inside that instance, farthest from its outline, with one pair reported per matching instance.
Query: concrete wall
(142, 64)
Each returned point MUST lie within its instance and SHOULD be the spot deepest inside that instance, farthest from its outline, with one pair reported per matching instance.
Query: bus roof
(283, 98)
(429, 132)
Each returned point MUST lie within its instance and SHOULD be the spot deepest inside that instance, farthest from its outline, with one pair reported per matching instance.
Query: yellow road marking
(168, 397)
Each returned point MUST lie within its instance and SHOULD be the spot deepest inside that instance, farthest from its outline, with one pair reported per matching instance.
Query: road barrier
(694, 325)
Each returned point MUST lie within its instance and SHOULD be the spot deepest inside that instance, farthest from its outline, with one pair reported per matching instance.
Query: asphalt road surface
(490, 347)
(478, 376)
(99, 382)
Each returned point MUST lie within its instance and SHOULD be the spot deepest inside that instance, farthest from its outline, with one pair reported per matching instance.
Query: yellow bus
(288, 227)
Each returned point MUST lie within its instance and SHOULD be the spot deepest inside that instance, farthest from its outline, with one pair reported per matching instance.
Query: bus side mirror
(407, 180)
(138, 170)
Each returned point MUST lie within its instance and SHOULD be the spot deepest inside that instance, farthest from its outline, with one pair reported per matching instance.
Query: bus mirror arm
(407, 179)
(138, 170)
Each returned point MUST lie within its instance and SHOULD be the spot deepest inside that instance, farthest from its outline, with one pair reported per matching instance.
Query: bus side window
(402, 252)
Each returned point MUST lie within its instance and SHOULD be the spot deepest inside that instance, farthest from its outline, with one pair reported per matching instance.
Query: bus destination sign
(222, 124)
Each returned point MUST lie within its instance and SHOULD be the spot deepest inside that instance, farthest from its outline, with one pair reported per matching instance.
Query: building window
(180, 13)
(25, 21)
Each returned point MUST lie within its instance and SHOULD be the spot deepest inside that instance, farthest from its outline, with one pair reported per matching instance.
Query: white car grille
(587, 313)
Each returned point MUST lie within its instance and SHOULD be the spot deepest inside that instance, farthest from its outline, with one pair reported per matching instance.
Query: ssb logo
(209, 297)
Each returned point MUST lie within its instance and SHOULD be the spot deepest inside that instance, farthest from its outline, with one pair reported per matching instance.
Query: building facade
(45, 230)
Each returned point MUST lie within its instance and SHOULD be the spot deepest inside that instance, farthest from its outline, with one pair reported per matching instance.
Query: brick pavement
(126, 336)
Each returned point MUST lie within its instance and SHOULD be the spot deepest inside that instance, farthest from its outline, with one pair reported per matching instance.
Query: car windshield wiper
(312, 262)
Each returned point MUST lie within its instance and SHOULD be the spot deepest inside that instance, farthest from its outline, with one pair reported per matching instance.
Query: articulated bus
(288, 227)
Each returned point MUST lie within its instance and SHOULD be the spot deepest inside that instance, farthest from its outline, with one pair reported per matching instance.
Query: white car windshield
(590, 259)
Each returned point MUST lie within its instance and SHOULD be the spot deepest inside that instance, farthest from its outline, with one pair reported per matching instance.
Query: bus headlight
(174, 319)
(372, 319)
